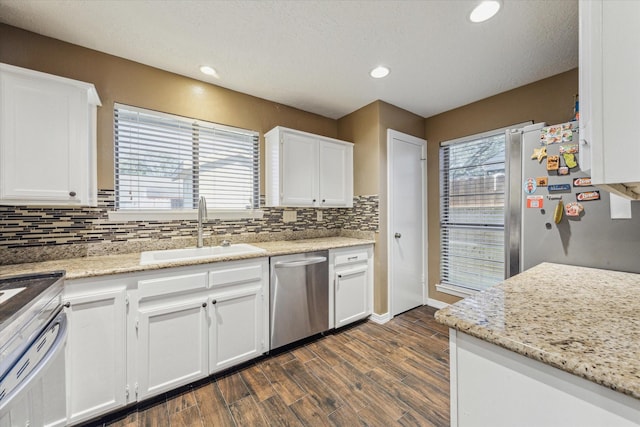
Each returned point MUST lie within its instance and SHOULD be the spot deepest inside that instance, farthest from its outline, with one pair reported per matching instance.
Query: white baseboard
(436, 304)
(380, 318)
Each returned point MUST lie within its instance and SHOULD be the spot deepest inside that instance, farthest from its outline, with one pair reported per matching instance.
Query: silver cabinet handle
(397, 235)
(302, 262)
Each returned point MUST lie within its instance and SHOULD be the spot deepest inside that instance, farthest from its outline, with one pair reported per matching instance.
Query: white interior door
(406, 190)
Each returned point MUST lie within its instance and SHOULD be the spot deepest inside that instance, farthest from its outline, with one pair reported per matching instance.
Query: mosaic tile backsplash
(30, 234)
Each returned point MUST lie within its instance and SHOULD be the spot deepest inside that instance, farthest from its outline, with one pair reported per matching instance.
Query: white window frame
(465, 290)
(133, 214)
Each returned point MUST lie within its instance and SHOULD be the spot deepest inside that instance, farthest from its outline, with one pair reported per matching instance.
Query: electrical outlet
(319, 216)
(289, 216)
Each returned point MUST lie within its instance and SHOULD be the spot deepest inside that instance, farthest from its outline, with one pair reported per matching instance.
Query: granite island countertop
(93, 266)
(585, 321)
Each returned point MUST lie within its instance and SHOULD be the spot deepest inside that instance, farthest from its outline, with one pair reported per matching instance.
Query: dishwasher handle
(301, 263)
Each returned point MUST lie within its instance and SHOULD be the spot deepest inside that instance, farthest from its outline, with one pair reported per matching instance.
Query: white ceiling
(316, 55)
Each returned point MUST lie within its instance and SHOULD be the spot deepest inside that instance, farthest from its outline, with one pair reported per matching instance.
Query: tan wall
(361, 128)
(128, 82)
(549, 100)
(367, 128)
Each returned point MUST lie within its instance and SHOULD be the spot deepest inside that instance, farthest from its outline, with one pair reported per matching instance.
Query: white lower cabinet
(236, 334)
(134, 336)
(172, 345)
(96, 348)
(493, 386)
(352, 272)
(239, 315)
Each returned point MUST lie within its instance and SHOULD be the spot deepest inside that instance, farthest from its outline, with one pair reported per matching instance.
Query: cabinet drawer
(170, 285)
(236, 275)
(352, 257)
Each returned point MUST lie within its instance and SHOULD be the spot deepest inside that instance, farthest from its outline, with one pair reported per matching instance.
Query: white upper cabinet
(307, 170)
(610, 94)
(47, 139)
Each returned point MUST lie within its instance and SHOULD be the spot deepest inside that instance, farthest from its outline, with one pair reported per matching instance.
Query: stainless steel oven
(33, 331)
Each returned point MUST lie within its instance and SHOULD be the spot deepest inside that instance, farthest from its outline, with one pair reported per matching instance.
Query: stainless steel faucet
(202, 215)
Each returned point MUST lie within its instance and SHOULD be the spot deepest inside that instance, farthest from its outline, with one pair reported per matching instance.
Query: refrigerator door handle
(513, 202)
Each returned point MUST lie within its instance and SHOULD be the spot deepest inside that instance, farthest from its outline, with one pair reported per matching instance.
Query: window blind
(166, 162)
(472, 212)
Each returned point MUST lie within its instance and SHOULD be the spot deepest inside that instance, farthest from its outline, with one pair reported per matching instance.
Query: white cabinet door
(299, 170)
(336, 174)
(610, 94)
(352, 290)
(47, 139)
(239, 324)
(172, 345)
(236, 327)
(352, 295)
(96, 351)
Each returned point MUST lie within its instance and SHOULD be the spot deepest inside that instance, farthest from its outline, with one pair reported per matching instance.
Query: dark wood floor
(395, 374)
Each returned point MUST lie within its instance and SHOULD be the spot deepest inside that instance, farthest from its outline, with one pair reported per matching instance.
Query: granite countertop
(585, 321)
(93, 266)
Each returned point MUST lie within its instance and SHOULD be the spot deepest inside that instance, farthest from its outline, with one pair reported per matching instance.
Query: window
(165, 163)
(472, 212)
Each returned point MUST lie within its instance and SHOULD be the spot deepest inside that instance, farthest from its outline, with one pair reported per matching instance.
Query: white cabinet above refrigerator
(610, 94)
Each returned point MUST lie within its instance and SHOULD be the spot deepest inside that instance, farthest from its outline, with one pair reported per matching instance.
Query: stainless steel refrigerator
(539, 160)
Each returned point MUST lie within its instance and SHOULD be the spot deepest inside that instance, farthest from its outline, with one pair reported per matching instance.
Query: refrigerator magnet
(553, 163)
(582, 182)
(569, 148)
(567, 135)
(573, 209)
(535, 202)
(542, 181)
(529, 186)
(563, 170)
(539, 153)
(588, 196)
(570, 160)
(559, 187)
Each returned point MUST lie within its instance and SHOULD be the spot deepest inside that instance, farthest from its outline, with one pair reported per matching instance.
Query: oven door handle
(52, 353)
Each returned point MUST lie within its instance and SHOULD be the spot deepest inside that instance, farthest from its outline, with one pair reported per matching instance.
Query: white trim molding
(380, 319)
(457, 291)
(436, 304)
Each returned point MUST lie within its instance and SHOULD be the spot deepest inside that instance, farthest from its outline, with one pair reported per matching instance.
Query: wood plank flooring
(395, 374)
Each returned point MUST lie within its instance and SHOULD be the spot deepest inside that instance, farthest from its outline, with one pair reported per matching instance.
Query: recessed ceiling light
(379, 72)
(209, 71)
(485, 10)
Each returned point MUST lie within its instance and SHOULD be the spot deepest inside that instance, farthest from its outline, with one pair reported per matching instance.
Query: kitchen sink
(173, 255)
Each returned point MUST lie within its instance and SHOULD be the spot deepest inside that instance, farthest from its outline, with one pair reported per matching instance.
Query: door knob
(397, 235)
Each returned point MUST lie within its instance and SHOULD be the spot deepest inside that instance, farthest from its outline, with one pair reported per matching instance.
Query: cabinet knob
(67, 304)
(314, 200)
(204, 304)
(397, 235)
(72, 193)
(214, 301)
(323, 200)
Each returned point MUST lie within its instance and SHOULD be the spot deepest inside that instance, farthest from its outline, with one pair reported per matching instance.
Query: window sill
(151, 215)
(454, 290)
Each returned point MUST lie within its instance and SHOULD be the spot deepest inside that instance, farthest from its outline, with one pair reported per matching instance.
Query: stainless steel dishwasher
(299, 297)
